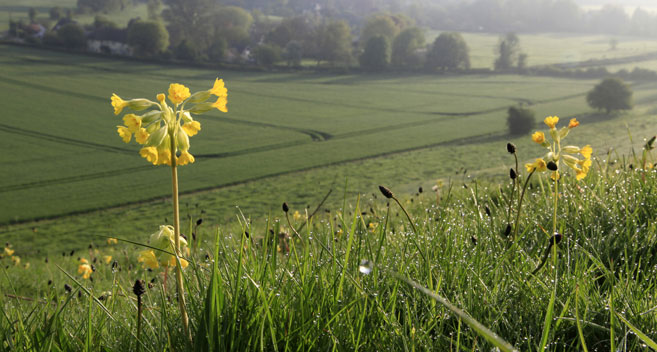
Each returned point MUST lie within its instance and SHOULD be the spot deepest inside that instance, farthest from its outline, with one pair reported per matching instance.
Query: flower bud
(511, 148)
(139, 104)
(200, 97)
(182, 140)
(552, 166)
(201, 108)
(151, 116)
(138, 288)
(563, 132)
(386, 192)
(570, 149)
(157, 137)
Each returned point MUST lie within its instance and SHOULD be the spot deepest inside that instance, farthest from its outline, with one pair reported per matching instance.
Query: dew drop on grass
(365, 267)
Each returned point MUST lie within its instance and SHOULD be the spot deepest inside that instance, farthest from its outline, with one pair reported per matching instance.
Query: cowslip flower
(164, 131)
(107, 259)
(85, 269)
(9, 251)
(164, 240)
(556, 153)
(112, 240)
(148, 259)
(538, 137)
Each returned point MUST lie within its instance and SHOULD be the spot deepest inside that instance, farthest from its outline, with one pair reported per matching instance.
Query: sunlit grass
(312, 295)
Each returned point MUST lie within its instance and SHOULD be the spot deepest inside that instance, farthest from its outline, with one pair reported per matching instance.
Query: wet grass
(336, 286)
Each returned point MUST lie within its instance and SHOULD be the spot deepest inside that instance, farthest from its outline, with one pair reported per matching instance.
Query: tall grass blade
(643, 337)
(208, 334)
(474, 324)
(579, 325)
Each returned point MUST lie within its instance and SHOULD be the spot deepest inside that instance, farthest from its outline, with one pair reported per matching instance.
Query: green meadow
(430, 268)
(287, 137)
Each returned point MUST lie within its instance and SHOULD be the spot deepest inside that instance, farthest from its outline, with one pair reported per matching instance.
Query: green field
(18, 11)
(555, 48)
(293, 135)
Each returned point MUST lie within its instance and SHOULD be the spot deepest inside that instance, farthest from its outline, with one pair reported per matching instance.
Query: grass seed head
(511, 148)
(386, 192)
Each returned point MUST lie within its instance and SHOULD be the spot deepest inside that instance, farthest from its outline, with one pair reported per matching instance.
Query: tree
(56, 13)
(387, 26)
(71, 35)
(333, 40)
(217, 50)
(267, 54)
(405, 46)
(507, 49)
(148, 38)
(188, 19)
(610, 94)
(449, 52)
(376, 54)
(232, 23)
(293, 53)
(520, 120)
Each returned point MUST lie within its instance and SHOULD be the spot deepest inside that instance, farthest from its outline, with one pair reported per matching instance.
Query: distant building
(34, 30)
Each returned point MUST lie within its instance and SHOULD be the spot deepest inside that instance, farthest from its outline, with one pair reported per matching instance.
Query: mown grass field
(287, 137)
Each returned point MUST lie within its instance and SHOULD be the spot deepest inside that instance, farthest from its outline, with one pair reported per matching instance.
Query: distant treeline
(328, 33)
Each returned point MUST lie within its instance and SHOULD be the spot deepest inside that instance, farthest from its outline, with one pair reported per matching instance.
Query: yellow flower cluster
(85, 268)
(164, 240)
(556, 153)
(164, 131)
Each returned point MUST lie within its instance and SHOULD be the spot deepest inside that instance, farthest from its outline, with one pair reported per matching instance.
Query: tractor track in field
(316, 136)
(63, 140)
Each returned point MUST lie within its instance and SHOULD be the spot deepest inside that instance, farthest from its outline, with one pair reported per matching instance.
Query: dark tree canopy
(376, 54)
(609, 95)
(520, 120)
(334, 42)
(508, 51)
(449, 52)
(148, 38)
(71, 35)
(405, 46)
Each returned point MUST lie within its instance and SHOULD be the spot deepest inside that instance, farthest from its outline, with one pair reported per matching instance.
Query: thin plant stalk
(522, 196)
(176, 232)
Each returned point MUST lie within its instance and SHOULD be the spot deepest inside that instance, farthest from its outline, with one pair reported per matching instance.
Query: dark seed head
(487, 209)
(419, 190)
(49, 282)
(473, 239)
(68, 288)
(511, 148)
(72, 252)
(552, 166)
(556, 238)
(507, 230)
(513, 174)
(246, 233)
(286, 208)
(386, 192)
(199, 222)
(91, 246)
(138, 288)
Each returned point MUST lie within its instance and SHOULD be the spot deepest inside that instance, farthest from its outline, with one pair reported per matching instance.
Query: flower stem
(522, 196)
(176, 231)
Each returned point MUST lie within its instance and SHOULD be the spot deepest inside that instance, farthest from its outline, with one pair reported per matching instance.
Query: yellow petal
(178, 93)
(124, 133)
(551, 121)
(538, 137)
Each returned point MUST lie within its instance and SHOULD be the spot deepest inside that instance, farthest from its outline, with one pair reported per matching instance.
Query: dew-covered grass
(337, 284)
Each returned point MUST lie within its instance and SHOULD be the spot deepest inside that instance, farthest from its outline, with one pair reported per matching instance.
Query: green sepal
(156, 138)
(201, 108)
(199, 97)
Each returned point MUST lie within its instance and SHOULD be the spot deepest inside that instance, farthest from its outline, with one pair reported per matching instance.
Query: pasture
(287, 137)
